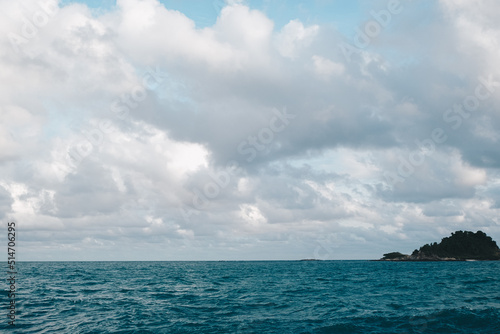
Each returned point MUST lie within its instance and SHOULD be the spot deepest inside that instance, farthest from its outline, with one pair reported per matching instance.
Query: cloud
(294, 36)
(325, 68)
(244, 140)
(5, 201)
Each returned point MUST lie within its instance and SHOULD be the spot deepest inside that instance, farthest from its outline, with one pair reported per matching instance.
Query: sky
(247, 130)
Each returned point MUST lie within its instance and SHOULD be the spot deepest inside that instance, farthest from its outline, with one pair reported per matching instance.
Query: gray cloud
(5, 201)
(120, 129)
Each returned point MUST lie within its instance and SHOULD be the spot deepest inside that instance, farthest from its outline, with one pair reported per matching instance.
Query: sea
(256, 297)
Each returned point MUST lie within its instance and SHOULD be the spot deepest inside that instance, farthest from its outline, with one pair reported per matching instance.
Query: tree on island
(461, 245)
(393, 255)
(464, 245)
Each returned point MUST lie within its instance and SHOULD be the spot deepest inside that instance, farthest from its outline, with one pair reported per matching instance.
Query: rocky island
(460, 246)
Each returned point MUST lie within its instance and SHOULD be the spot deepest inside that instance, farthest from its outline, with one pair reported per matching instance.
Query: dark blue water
(258, 297)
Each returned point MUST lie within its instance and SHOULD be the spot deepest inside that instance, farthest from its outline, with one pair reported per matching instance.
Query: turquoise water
(258, 297)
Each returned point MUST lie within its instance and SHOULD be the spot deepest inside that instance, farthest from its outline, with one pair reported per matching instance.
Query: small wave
(232, 298)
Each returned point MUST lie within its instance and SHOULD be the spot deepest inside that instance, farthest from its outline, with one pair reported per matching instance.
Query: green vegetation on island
(460, 246)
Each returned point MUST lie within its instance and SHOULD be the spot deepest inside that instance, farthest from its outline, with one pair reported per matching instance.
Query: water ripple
(258, 297)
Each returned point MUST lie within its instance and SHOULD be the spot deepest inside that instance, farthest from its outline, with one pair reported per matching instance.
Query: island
(460, 246)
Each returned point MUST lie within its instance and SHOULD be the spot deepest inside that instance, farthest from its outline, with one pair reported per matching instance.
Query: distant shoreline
(433, 260)
(208, 261)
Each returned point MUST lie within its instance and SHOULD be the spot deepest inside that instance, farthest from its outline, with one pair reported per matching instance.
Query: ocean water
(257, 297)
